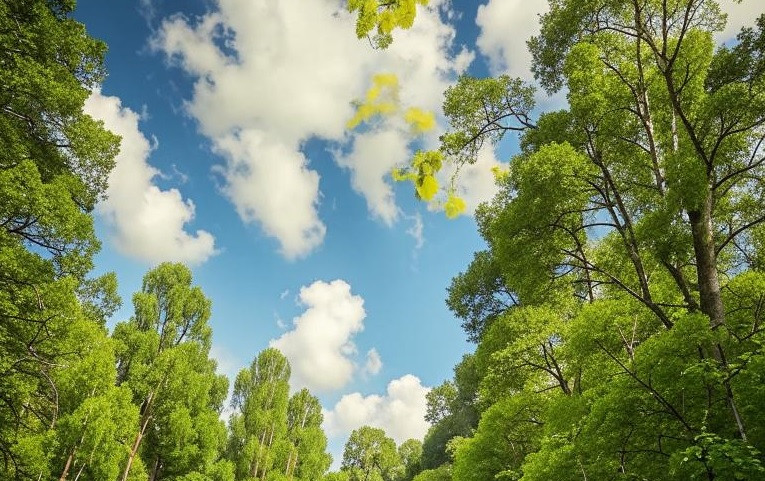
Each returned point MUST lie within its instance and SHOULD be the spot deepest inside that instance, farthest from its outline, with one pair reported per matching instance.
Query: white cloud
(320, 348)
(288, 73)
(374, 362)
(270, 183)
(374, 155)
(400, 411)
(147, 223)
(505, 27)
(739, 15)
(416, 230)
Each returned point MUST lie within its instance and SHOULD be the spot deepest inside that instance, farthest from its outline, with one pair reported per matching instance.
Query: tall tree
(259, 442)
(163, 357)
(626, 228)
(54, 161)
(308, 459)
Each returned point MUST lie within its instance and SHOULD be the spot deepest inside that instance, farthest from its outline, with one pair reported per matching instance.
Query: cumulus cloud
(271, 183)
(371, 160)
(146, 223)
(739, 15)
(374, 362)
(505, 26)
(475, 182)
(400, 411)
(264, 85)
(320, 346)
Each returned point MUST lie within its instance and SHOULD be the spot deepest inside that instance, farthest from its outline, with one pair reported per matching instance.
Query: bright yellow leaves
(386, 15)
(454, 206)
(500, 173)
(382, 99)
(420, 120)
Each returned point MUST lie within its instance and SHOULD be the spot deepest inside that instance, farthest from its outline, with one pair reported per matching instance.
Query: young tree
(410, 453)
(370, 455)
(163, 357)
(259, 444)
(308, 459)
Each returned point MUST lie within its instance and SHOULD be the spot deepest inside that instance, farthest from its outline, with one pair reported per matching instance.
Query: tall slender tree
(163, 357)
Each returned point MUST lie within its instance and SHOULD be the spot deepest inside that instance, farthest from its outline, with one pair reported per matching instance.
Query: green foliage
(482, 110)
(383, 16)
(628, 234)
(55, 359)
(370, 455)
(441, 473)
(478, 295)
(410, 453)
(163, 358)
(272, 435)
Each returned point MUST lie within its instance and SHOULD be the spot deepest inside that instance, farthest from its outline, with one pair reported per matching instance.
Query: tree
(410, 453)
(625, 231)
(308, 459)
(479, 295)
(54, 161)
(259, 442)
(163, 358)
(452, 412)
(370, 455)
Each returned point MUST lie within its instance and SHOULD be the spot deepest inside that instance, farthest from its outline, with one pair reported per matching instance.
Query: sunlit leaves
(381, 99)
(481, 110)
(420, 120)
(384, 16)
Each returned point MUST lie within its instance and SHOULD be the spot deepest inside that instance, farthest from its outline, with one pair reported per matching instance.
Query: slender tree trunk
(709, 291)
(254, 472)
(68, 465)
(155, 469)
(139, 436)
(706, 263)
(79, 473)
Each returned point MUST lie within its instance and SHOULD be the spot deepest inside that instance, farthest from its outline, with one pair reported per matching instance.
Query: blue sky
(236, 160)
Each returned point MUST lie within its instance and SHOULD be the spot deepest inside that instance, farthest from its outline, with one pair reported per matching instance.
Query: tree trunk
(139, 436)
(706, 263)
(68, 464)
(155, 470)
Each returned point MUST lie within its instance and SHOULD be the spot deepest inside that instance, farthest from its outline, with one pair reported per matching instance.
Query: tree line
(617, 310)
(144, 401)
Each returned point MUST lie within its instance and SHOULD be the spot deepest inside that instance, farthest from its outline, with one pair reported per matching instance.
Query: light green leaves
(384, 16)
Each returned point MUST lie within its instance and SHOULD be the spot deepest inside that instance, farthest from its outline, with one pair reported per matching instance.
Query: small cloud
(374, 362)
(180, 176)
(284, 294)
(505, 26)
(320, 346)
(400, 411)
(416, 230)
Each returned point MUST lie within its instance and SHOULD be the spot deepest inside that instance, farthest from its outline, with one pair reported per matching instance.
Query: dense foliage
(617, 310)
